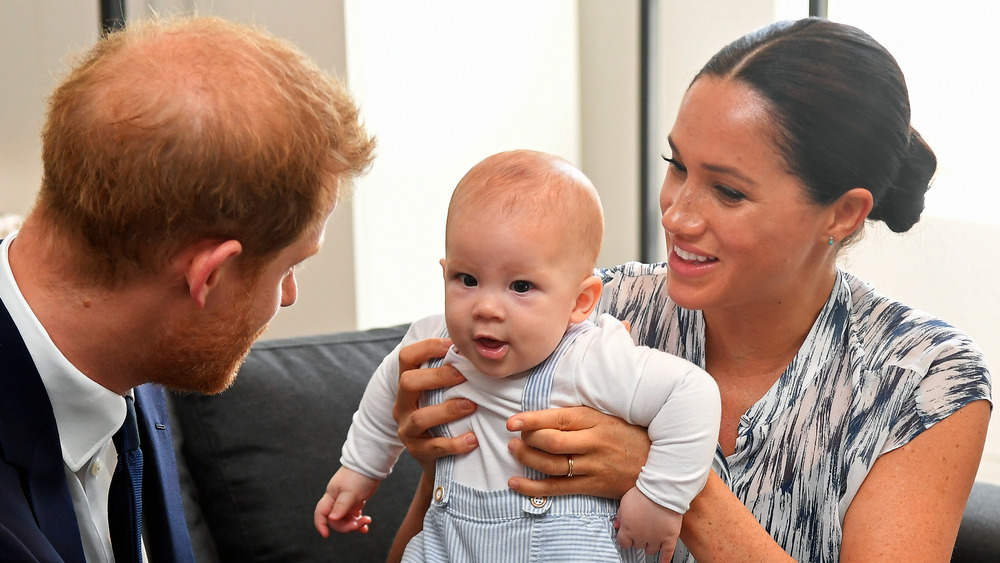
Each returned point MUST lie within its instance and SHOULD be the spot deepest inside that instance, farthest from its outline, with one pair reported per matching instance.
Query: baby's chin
(497, 370)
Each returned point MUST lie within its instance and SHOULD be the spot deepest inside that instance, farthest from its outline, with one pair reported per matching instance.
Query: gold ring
(569, 458)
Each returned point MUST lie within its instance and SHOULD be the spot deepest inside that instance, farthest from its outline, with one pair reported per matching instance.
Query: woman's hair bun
(901, 205)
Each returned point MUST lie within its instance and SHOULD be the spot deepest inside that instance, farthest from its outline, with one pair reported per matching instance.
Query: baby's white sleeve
(675, 399)
(372, 445)
(684, 429)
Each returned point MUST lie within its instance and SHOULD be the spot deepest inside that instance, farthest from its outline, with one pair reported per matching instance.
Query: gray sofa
(255, 459)
(258, 456)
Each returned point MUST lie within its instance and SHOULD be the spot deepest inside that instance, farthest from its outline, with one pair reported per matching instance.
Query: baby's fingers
(356, 522)
(320, 515)
(346, 502)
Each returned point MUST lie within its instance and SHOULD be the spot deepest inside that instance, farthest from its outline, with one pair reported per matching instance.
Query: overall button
(439, 494)
(538, 502)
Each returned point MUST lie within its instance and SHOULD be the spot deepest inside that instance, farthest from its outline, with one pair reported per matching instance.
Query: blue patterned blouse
(871, 375)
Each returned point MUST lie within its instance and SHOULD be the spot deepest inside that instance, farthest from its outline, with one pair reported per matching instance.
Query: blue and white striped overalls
(467, 524)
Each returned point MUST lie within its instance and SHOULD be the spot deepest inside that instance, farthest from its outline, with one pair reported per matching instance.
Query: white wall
(34, 40)
(609, 119)
(443, 85)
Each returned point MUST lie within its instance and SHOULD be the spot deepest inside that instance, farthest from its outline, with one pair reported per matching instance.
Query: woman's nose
(679, 206)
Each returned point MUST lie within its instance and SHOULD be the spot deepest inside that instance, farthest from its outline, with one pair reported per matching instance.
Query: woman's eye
(729, 193)
(520, 286)
(467, 280)
(674, 163)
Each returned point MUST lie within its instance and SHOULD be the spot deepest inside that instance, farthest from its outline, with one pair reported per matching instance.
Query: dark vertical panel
(817, 8)
(649, 224)
(112, 15)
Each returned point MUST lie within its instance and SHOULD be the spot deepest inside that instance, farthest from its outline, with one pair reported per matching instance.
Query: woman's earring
(831, 241)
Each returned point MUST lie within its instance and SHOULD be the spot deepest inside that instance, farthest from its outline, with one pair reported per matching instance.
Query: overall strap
(536, 395)
(445, 465)
(539, 385)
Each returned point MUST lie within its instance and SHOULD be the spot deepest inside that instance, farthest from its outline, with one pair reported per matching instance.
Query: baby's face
(510, 287)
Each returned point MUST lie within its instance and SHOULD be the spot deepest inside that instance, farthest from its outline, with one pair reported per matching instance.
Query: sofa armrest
(260, 453)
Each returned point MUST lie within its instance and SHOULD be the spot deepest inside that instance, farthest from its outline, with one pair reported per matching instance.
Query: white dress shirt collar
(87, 414)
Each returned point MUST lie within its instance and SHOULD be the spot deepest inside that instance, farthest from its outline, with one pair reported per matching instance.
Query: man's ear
(849, 212)
(443, 270)
(590, 292)
(202, 271)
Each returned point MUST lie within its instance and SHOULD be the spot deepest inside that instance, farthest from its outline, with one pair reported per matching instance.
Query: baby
(523, 233)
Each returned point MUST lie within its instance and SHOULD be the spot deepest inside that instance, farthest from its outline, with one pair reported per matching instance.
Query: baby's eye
(521, 286)
(467, 280)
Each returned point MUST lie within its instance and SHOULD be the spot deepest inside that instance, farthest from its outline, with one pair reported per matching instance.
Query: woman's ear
(202, 272)
(849, 212)
(586, 300)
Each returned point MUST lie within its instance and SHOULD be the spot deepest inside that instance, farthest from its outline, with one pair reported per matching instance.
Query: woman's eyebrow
(717, 168)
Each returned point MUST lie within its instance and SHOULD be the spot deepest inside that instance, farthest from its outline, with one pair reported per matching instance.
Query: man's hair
(174, 131)
(538, 187)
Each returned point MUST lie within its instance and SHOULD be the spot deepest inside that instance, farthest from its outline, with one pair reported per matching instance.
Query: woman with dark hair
(852, 426)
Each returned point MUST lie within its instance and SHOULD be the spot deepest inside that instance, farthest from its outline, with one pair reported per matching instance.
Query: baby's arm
(372, 445)
(684, 432)
(679, 403)
(645, 525)
(341, 504)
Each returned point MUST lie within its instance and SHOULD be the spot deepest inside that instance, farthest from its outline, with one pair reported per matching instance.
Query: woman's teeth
(690, 256)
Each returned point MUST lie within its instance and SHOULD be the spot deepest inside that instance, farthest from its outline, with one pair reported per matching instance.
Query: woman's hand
(607, 452)
(414, 423)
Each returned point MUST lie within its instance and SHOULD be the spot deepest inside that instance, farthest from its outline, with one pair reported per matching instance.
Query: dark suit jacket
(37, 520)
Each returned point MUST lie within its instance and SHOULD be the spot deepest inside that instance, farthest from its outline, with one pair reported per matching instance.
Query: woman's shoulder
(891, 331)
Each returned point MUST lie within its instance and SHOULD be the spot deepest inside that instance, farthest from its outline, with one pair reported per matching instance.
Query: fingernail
(516, 424)
(467, 405)
(471, 440)
(512, 484)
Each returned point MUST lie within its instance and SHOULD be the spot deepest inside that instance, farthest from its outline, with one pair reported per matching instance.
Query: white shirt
(87, 416)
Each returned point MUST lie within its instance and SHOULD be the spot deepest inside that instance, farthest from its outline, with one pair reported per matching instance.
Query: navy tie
(125, 498)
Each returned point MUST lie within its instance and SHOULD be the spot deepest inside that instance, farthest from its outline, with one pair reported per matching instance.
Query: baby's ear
(586, 300)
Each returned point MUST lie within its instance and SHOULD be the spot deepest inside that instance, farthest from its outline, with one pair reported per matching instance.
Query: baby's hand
(340, 507)
(648, 526)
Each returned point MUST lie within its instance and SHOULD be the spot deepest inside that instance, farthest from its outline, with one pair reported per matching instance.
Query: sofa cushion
(260, 453)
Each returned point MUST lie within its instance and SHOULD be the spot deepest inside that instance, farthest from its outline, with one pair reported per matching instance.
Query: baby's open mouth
(491, 348)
